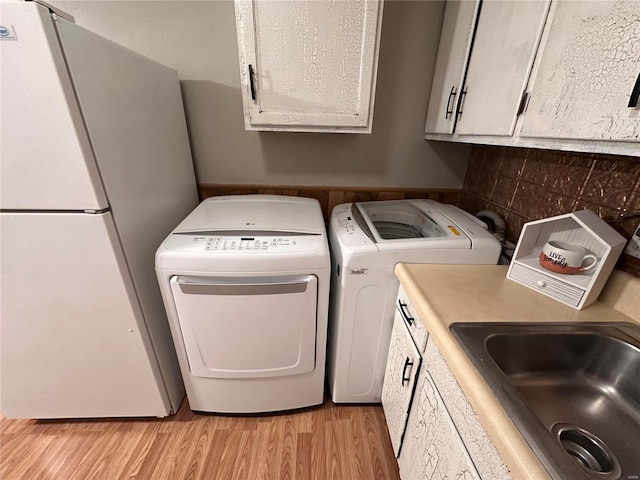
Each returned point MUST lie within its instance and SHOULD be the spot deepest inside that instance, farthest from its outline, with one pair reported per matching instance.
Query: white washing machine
(245, 281)
(367, 240)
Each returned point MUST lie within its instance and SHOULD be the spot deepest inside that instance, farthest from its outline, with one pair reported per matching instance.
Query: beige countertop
(443, 294)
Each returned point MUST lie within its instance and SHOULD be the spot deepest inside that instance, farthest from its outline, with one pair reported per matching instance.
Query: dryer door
(247, 327)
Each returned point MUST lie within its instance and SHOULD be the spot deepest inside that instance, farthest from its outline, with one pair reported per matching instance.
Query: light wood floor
(327, 442)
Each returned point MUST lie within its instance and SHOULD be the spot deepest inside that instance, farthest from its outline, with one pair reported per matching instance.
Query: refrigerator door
(133, 111)
(45, 154)
(73, 340)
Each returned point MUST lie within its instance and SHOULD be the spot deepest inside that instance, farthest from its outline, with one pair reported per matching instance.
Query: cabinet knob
(541, 283)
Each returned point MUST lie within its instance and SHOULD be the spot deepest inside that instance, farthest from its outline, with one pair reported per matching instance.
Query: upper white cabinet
(308, 65)
(588, 69)
(484, 61)
(453, 53)
(504, 48)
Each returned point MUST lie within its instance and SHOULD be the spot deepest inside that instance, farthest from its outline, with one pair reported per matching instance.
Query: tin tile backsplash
(528, 184)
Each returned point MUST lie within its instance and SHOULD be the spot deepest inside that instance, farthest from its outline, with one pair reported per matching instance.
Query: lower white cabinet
(434, 431)
(403, 366)
(432, 447)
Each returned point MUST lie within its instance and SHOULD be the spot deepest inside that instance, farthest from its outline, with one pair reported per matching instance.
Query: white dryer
(245, 281)
(367, 240)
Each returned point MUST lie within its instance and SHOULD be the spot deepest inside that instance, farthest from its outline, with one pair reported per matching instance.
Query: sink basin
(572, 390)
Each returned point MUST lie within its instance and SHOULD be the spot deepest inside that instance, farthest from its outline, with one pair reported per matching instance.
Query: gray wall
(197, 38)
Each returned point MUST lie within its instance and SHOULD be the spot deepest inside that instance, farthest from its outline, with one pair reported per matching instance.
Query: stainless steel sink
(573, 391)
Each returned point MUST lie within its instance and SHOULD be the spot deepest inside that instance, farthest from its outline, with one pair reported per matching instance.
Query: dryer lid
(255, 214)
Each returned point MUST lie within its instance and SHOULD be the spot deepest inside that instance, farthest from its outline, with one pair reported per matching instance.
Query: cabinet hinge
(524, 100)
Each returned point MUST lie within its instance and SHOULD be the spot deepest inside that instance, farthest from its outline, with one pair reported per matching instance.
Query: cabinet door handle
(252, 84)
(635, 94)
(405, 378)
(408, 318)
(452, 95)
(463, 94)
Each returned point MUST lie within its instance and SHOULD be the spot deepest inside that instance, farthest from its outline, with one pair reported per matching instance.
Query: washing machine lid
(409, 224)
(256, 215)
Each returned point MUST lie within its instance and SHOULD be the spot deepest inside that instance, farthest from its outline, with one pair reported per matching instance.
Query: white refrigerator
(95, 171)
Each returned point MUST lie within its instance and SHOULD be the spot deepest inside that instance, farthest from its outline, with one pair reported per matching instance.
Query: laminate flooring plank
(361, 464)
(148, 467)
(214, 454)
(202, 438)
(243, 456)
(319, 424)
(380, 445)
(97, 457)
(230, 452)
(174, 463)
(269, 452)
(303, 420)
(14, 452)
(74, 449)
(337, 463)
(8, 444)
(304, 469)
(143, 442)
(289, 439)
(113, 459)
(50, 464)
(23, 466)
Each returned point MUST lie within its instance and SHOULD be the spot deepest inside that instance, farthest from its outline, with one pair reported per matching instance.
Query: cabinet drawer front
(403, 366)
(406, 312)
(556, 289)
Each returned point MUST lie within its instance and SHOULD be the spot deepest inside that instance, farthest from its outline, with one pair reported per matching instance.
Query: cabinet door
(587, 72)
(432, 447)
(453, 54)
(403, 366)
(308, 65)
(504, 48)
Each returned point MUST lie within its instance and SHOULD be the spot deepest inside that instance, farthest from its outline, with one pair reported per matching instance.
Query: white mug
(565, 257)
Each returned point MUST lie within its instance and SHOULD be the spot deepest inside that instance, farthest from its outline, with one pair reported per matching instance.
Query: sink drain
(587, 449)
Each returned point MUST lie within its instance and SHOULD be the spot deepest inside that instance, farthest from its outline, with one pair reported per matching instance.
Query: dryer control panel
(243, 244)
